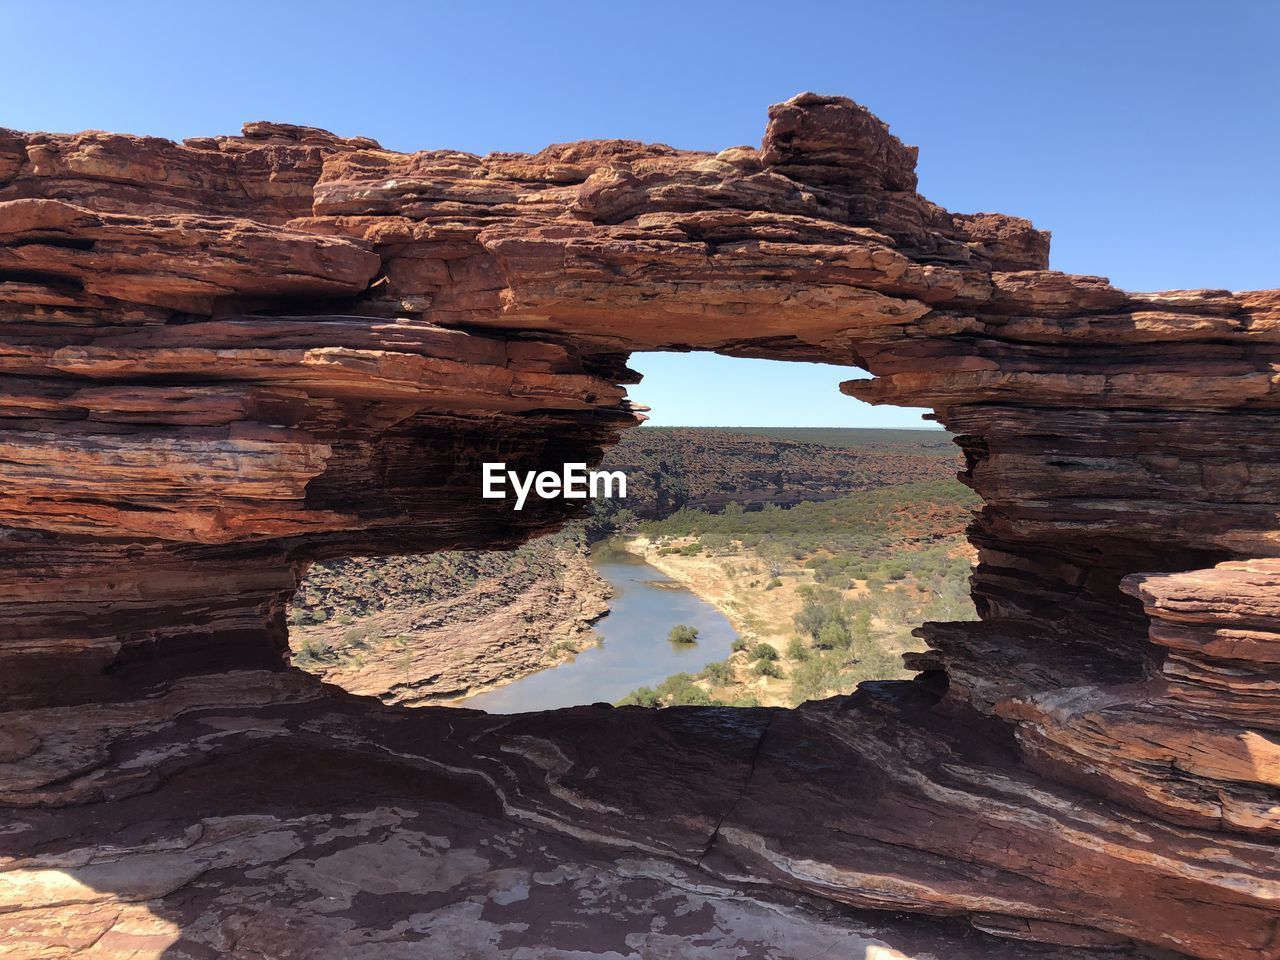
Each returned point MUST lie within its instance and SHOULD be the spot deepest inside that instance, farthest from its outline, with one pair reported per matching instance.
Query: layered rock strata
(418, 648)
(225, 359)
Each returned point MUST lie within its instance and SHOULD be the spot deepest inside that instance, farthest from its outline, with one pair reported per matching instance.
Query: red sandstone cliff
(222, 360)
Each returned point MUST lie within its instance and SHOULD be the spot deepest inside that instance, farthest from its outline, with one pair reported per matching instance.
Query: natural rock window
(752, 567)
(228, 359)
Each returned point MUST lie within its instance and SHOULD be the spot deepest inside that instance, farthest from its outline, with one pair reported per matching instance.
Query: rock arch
(226, 358)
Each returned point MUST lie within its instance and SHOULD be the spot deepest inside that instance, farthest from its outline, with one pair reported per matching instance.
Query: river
(645, 605)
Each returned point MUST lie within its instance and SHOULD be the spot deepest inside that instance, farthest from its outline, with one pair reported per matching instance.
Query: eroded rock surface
(340, 825)
(225, 359)
(416, 647)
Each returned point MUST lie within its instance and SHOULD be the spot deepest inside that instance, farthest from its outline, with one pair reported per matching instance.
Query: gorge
(227, 359)
(634, 650)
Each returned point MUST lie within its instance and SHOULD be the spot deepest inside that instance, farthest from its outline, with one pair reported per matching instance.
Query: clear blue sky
(1145, 135)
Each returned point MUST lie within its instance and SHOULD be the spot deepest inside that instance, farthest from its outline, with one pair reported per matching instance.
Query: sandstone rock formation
(225, 359)
(492, 623)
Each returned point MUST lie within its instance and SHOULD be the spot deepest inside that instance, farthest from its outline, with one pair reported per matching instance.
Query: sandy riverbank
(736, 585)
(761, 606)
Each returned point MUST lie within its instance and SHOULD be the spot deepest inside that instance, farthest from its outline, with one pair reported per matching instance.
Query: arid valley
(823, 549)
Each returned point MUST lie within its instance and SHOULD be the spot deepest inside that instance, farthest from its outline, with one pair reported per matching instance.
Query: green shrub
(834, 635)
(312, 651)
(683, 633)
(642, 697)
(767, 668)
(565, 648)
(719, 673)
(811, 617)
(714, 542)
(815, 679)
(678, 690)
(876, 663)
(860, 629)
(796, 650)
(692, 696)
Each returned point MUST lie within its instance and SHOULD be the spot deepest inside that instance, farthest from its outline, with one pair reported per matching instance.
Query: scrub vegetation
(825, 595)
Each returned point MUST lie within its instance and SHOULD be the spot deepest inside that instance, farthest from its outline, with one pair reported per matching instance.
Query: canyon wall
(225, 359)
